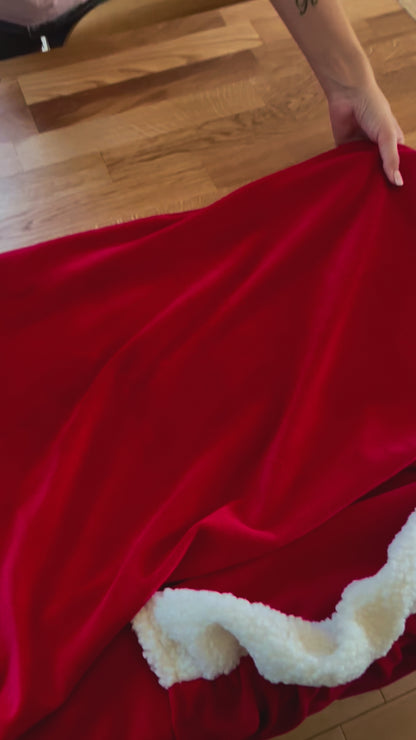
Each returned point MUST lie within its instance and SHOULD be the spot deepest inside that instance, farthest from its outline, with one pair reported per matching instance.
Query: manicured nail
(398, 178)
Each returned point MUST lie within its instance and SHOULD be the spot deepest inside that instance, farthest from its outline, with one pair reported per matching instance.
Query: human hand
(363, 112)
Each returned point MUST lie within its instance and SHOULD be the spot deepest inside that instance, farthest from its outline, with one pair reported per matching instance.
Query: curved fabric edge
(187, 634)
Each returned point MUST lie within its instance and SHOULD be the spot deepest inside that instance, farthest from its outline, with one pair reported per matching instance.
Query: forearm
(328, 41)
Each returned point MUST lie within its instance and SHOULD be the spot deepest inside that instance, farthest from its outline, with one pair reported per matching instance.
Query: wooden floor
(389, 714)
(131, 119)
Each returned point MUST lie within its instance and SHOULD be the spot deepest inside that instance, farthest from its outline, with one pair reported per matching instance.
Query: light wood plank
(137, 62)
(335, 734)
(411, 138)
(16, 121)
(251, 10)
(167, 85)
(398, 688)
(393, 721)
(384, 26)
(100, 202)
(117, 16)
(337, 713)
(211, 141)
(237, 148)
(138, 124)
(88, 41)
(155, 180)
(104, 208)
(357, 9)
(40, 188)
(10, 163)
(393, 53)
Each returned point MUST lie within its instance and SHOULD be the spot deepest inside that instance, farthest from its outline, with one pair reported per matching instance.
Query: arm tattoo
(302, 5)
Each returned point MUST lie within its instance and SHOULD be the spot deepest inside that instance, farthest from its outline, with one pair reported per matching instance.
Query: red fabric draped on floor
(220, 399)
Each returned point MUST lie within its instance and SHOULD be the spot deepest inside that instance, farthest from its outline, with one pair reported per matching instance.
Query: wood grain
(40, 187)
(136, 62)
(131, 118)
(16, 121)
(10, 164)
(393, 720)
(337, 713)
(154, 119)
(169, 84)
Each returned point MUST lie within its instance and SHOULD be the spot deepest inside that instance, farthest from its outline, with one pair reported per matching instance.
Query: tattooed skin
(302, 5)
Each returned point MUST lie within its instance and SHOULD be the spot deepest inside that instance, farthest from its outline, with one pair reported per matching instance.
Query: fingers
(400, 134)
(399, 131)
(388, 139)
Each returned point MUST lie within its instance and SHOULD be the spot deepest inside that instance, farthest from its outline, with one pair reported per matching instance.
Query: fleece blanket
(208, 448)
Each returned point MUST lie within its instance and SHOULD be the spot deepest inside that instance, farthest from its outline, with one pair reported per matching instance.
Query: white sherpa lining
(187, 634)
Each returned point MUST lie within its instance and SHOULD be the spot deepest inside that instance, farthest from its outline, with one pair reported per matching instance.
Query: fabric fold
(187, 634)
(193, 405)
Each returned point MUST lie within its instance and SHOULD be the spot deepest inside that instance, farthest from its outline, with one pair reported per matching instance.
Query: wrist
(343, 71)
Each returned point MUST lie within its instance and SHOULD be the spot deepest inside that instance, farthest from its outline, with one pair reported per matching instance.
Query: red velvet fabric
(222, 398)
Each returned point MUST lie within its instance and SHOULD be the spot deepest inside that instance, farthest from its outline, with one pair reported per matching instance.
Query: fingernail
(398, 178)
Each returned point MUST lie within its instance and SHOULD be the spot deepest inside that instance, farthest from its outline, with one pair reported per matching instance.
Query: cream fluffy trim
(187, 634)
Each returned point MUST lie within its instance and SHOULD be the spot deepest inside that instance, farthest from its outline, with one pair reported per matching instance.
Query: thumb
(387, 144)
